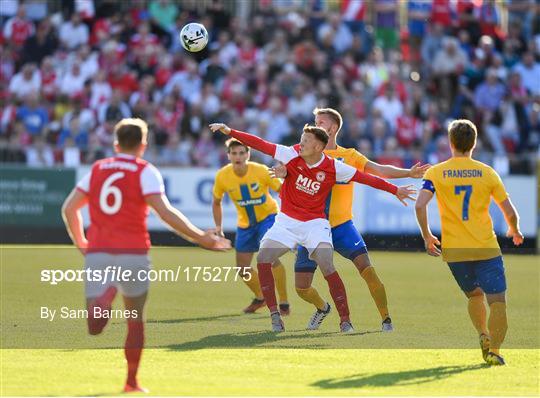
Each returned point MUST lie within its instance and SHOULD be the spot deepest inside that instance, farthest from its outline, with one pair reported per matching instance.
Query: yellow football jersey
(341, 197)
(249, 193)
(464, 188)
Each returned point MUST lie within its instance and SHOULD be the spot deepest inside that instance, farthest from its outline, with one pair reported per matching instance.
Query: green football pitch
(199, 343)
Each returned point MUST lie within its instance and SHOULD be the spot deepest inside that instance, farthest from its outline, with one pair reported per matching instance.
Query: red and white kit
(303, 219)
(118, 236)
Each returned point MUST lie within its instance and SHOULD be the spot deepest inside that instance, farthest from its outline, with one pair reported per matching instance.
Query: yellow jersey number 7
(458, 189)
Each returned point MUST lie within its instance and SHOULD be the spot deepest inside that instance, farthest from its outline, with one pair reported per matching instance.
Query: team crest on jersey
(321, 175)
(255, 187)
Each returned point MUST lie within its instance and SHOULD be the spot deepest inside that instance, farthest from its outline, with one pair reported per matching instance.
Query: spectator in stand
(49, 79)
(163, 13)
(39, 154)
(18, 28)
(72, 83)
(375, 71)
(84, 116)
(277, 122)
(100, 90)
(418, 15)
(432, 43)
(386, 31)
(227, 49)
(441, 13)
(409, 127)
(301, 105)
(114, 110)
(178, 151)
(341, 35)
(188, 82)
(487, 100)
(204, 150)
(73, 33)
(389, 106)
(33, 115)
(392, 154)
(449, 63)
(529, 70)
(167, 119)
(43, 43)
(27, 81)
(75, 132)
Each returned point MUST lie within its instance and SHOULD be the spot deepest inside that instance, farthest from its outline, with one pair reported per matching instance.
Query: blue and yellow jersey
(249, 193)
(341, 197)
(464, 188)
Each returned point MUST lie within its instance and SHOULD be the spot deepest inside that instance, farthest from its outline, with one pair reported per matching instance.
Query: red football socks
(96, 325)
(339, 295)
(133, 350)
(266, 279)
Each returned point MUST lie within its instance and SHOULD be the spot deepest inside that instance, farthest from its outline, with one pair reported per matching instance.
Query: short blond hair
(334, 115)
(130, 133)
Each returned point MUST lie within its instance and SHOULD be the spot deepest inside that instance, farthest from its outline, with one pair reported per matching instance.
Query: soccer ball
(194, 37)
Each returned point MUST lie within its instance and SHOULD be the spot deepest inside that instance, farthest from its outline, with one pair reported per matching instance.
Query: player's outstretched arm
(430, 241)
(512, 219)
(72, 218)
(388, 171)
(402, 193)
(181, 224)
(248, 139)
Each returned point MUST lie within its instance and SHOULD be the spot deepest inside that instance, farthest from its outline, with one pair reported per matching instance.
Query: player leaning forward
(118, 191)
(464, 188)
(310, 178)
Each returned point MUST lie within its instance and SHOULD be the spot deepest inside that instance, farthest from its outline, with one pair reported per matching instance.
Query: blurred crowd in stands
(396, 70)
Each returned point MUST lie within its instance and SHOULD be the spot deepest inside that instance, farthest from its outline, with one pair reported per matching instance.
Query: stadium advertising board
(33, 196)
(374, 211)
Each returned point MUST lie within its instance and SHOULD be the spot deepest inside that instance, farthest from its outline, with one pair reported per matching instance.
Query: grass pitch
(200, 344)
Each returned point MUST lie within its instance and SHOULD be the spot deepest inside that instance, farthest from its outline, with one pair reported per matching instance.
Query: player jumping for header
(310, 178)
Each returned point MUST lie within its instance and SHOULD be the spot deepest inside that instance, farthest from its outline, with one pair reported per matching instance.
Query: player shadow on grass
(203, 318)
(404, 378)
(249, 339)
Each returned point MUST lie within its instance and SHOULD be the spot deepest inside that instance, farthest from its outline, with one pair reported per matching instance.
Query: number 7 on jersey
(466, 199)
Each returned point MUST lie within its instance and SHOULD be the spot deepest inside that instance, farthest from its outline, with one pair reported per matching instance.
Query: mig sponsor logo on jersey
(307, 185)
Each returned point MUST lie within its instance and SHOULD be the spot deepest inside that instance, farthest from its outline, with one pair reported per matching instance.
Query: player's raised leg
(99, 296)
(323, 256)
(134, 343)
